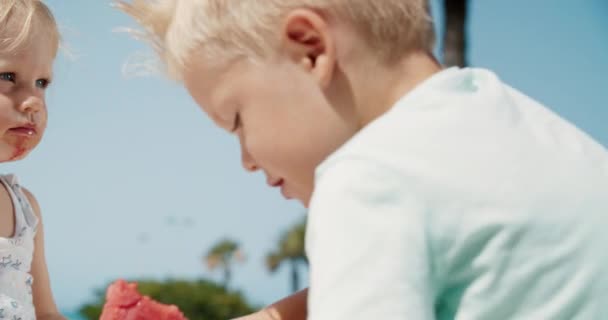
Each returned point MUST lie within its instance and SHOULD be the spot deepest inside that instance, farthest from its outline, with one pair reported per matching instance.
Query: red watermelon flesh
(124, 302)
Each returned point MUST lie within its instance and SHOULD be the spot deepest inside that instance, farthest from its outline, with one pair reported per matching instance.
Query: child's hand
(290, 308)
(263, 314)
(55, 316)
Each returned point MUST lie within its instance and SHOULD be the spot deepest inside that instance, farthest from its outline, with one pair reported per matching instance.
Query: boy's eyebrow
(224, 122)
(216, 117)
(221, 100)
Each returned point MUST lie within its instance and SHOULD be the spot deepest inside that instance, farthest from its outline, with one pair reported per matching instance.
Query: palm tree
(222, 255)
(455, 39)
(290, 251)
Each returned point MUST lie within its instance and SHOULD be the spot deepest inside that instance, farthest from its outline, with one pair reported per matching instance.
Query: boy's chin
(297, 198)
(305, 201)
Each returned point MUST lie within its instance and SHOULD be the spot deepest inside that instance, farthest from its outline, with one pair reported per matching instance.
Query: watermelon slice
(124, 302)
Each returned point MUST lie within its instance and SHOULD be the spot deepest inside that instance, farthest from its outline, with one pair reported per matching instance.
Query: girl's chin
(13, 155)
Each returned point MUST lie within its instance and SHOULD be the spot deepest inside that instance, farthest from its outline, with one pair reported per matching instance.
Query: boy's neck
(380, 89)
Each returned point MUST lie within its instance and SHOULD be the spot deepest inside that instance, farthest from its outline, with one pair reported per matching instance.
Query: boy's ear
(309, 43)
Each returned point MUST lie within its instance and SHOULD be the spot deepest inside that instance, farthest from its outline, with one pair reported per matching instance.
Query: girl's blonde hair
(20, 20)
(225, 30)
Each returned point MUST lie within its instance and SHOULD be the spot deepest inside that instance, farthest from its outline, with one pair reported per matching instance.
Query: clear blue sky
(126, 159)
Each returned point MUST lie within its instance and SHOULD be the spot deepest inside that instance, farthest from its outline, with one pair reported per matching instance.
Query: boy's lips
(275, 183)
(279, 183)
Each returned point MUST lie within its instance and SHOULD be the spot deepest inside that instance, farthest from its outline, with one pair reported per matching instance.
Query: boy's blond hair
(225, 30)
(20, 20)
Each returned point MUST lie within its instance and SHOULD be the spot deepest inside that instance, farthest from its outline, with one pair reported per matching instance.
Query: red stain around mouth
(20, 148)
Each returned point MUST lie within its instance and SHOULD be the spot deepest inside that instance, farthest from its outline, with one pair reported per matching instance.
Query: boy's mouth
(275, 183)
(279, 183)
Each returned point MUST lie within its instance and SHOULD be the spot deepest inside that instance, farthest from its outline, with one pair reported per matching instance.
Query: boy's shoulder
(425, 119)
(467, 125)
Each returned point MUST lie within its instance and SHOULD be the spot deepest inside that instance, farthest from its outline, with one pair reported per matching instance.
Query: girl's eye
(8, 76)
(42, 83)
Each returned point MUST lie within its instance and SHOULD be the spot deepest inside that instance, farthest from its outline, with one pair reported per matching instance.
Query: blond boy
(432, 194)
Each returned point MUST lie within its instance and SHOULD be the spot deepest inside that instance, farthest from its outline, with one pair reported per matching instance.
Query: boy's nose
(249, 165)
(247, 161)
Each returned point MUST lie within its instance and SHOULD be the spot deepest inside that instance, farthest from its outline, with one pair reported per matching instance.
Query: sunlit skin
(24, 77)
(292, 110)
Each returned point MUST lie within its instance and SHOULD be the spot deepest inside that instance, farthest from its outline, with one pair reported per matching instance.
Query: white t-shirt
(467, 200)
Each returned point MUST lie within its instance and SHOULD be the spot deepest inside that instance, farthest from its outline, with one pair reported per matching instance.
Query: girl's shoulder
(7, 217)
(17, 203)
